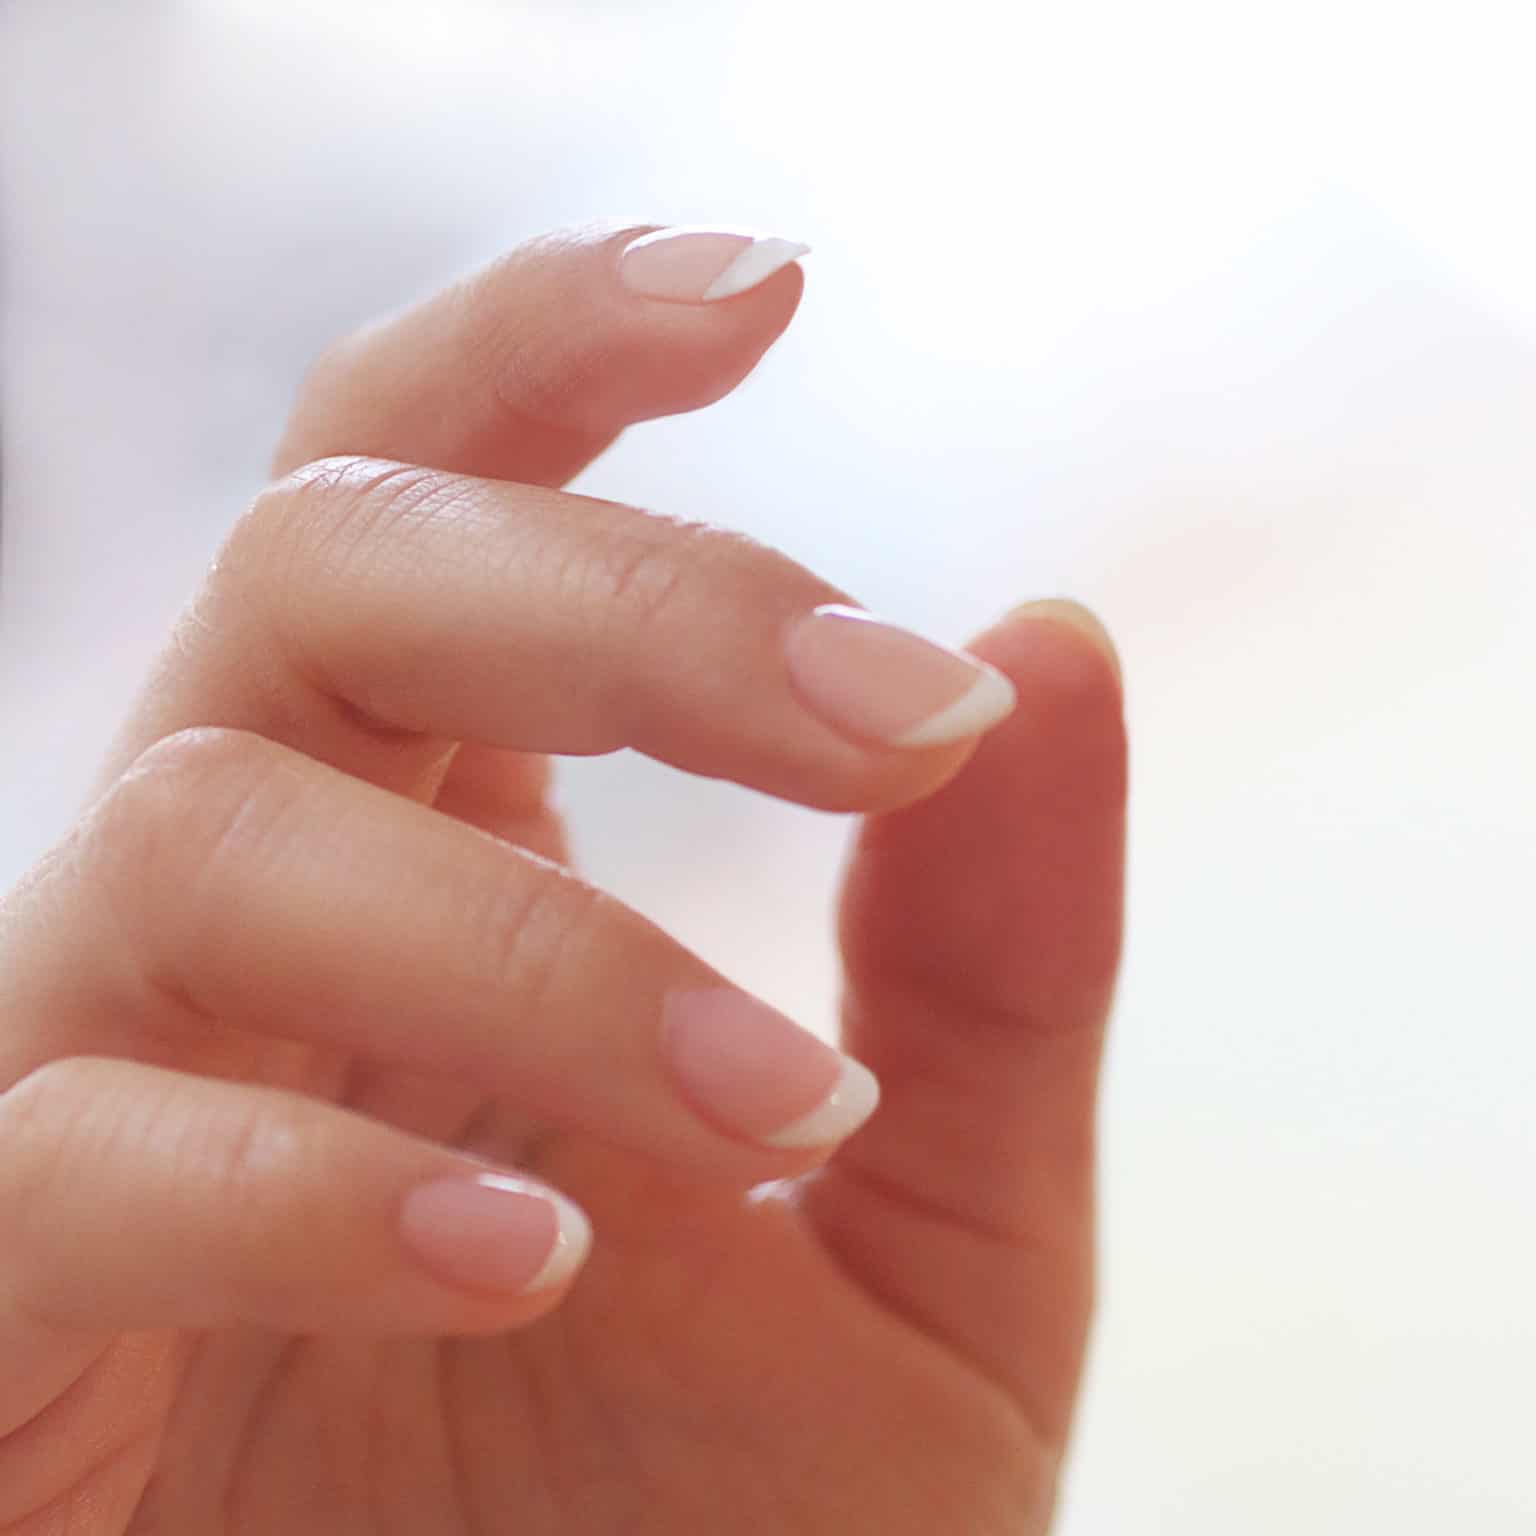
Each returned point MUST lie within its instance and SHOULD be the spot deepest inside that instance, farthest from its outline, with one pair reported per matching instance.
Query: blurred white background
(1218, 316)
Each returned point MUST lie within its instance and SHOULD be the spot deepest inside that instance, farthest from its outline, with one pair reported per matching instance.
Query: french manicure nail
(878, 682)
(489, 1232)
(757, 1074)
(697, 265)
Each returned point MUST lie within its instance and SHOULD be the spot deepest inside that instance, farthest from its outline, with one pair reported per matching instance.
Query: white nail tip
(851, 1102)
(989, 699)
(756, 264)
(573, 1242)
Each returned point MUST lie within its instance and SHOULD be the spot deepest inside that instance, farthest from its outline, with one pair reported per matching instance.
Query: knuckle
(245, 1157)
(643, 581)
(160, 842)
(541, 369)
(252, 1162)
(191, 756)
(173, 794)
(43, 1096)
(42, 1118)
(533, 934)
(324, 515)
(333, 525)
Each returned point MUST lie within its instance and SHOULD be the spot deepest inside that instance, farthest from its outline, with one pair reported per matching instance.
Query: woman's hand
(307, 1032)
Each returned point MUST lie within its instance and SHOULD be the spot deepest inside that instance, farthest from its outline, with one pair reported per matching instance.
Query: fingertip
(752, 1072)
(702, 264)
(1072, 622)
(879, 684)
(528, 368)
(701, 329)
(495, 1236)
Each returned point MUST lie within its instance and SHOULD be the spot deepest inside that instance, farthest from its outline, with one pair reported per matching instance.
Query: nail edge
(988, 701)
(573, 1242)
(854, 1098)
(754, 266)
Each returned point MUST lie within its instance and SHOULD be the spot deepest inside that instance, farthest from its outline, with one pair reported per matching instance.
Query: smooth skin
(317, 940)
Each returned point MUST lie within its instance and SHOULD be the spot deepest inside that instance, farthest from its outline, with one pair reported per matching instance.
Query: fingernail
(697, 265)
(488, 1232)
(758, 1075)
(877, 682)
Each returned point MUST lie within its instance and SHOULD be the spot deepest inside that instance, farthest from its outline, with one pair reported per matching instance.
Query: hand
(307, 1020)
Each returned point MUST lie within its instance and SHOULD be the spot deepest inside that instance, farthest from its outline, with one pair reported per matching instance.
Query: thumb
(981, 931)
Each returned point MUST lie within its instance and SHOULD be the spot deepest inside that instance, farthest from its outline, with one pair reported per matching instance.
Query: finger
(72, 1400)
(981, 931)
(134, 1197)
(228, 885)
(370, 614)
(528, 370)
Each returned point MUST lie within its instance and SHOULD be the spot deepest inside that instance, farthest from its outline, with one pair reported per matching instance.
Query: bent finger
(369, 614)
(529, 369)
(134, 1197)
(228, 888)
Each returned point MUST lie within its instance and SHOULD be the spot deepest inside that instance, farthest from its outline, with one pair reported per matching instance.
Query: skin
(227, 1049)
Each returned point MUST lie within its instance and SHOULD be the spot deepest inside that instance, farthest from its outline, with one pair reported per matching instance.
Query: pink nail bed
(492, 1233)
(757, 1074)
(876, 682)
(692, 264)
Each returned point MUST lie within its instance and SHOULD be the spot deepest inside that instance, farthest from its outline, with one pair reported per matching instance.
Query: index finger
(528, 369)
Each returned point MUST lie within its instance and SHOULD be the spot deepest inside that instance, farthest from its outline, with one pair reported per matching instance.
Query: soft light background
(1217, 315)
